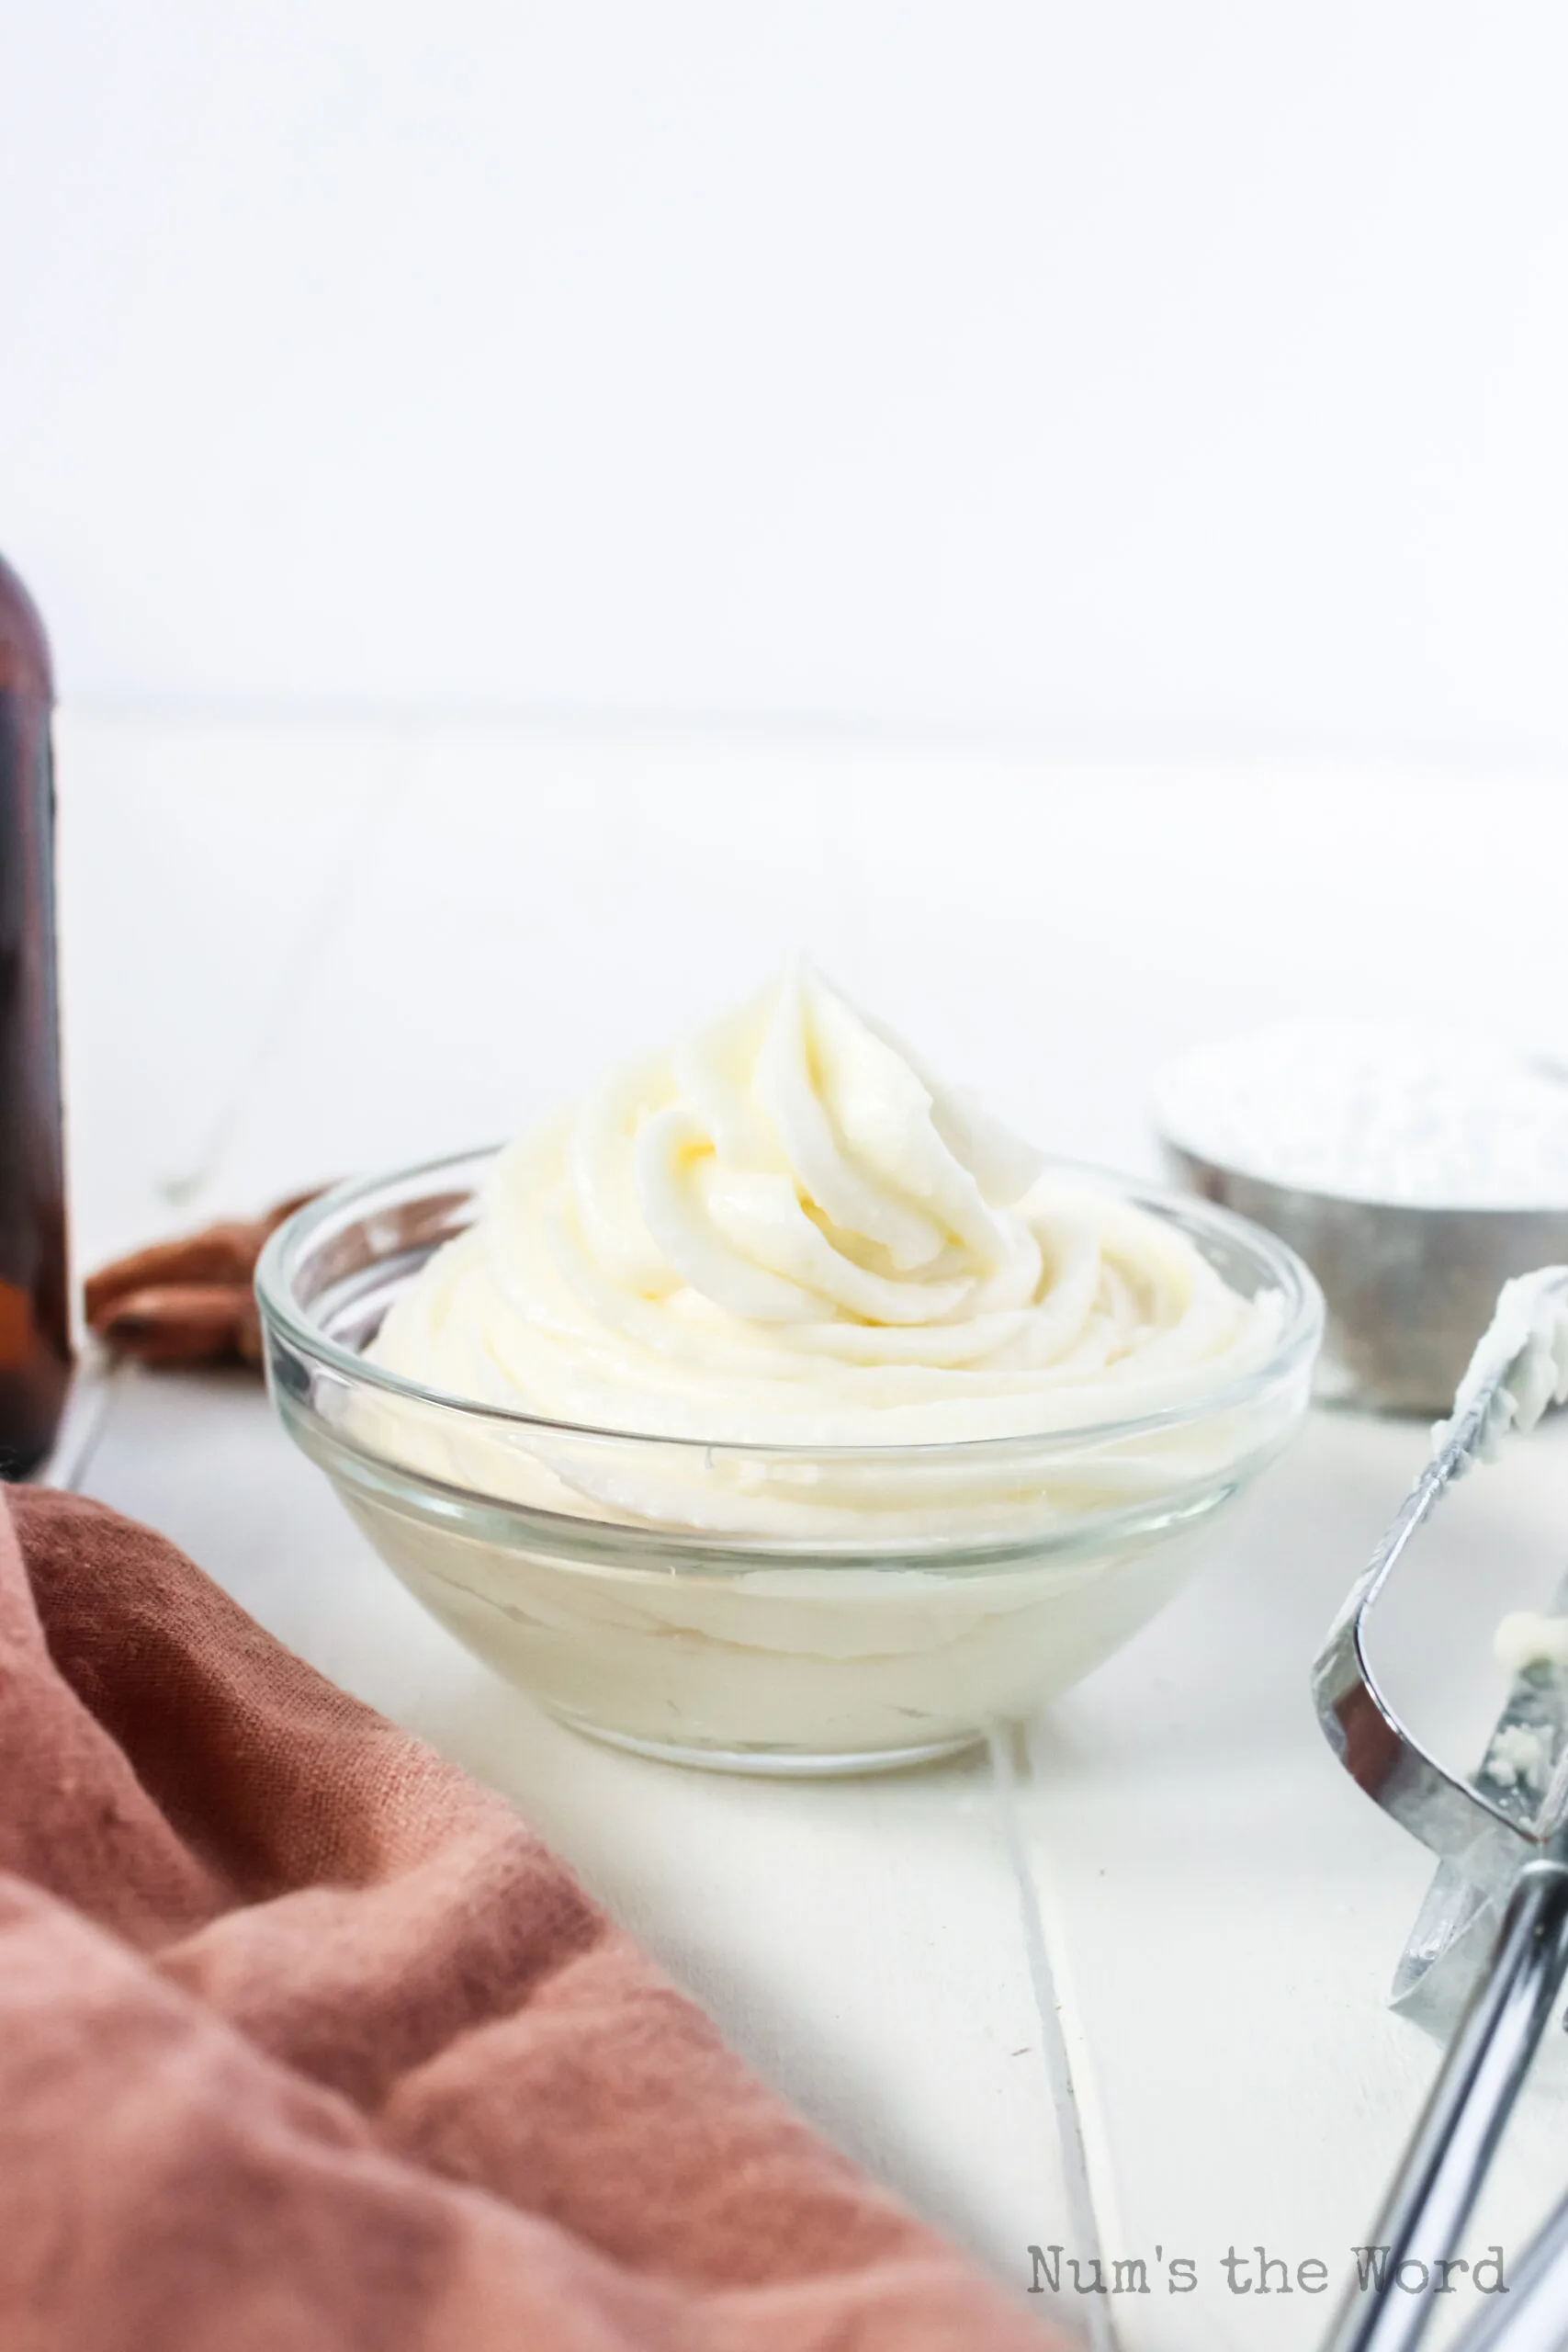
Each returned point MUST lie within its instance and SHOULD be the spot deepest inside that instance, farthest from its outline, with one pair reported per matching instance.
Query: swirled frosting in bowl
(776, 1408)
(787, 1233)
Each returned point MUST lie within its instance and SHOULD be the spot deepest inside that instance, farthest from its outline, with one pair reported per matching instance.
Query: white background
(1128, 376)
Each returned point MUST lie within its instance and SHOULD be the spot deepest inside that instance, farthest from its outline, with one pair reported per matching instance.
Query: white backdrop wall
(1140, 375)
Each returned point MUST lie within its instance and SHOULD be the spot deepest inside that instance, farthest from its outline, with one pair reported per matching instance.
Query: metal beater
(1499, 1901)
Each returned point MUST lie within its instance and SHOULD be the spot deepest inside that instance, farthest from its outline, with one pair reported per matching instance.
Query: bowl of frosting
(775, 1408)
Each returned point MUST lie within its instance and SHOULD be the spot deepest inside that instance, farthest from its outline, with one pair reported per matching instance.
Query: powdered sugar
(1422, 1119)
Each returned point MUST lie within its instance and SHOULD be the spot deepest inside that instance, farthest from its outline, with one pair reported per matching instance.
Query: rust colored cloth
(307, 2045)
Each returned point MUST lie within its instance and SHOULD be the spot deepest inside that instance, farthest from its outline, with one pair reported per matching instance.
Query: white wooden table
(297, 949)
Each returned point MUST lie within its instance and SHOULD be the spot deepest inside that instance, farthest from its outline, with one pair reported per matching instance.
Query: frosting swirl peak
(787, 1231)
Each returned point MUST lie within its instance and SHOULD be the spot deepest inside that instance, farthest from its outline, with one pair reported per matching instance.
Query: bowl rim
(1300, 1334)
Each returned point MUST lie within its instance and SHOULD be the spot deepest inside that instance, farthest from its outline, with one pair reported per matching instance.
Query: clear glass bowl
(993, 1574)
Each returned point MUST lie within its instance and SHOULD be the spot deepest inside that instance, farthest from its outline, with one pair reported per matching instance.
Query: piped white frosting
(787, 1231)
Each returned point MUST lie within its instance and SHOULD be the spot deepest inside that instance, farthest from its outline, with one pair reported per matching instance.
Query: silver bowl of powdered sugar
(1413, 1171)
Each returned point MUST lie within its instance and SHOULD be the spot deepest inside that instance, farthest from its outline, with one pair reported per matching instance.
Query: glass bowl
(726, 1619)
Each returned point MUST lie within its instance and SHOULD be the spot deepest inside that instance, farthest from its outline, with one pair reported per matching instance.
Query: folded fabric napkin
(306, 2041)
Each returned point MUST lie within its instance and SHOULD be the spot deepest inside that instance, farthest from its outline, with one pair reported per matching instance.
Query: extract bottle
(35, 1316)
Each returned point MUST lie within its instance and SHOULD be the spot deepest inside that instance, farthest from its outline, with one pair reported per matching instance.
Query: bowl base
(777, 1763)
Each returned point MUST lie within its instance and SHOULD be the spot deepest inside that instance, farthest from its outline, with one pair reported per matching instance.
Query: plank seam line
(1005, 1741)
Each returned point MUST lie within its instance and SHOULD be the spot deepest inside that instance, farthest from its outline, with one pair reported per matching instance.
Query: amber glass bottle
(34, 1320)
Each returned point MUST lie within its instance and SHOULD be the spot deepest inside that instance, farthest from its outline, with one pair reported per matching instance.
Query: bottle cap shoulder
(25, 665)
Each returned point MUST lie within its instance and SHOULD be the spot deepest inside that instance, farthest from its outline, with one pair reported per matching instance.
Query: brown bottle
(35, 1316)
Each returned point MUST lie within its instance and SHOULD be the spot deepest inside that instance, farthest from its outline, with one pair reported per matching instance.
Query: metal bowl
(1408, 1290)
